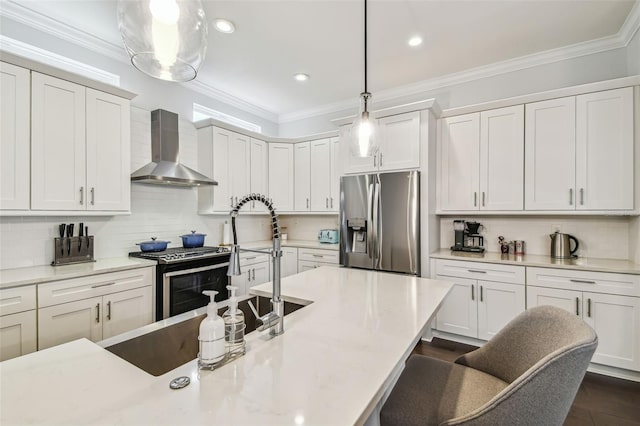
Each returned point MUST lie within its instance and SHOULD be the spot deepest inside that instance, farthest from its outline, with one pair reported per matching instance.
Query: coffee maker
(467, 237)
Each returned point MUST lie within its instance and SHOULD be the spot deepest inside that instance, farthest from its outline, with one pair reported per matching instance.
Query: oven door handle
(166, 283)
(194, 270)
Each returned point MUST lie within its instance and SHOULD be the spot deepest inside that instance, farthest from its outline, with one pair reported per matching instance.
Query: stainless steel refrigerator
(380, 222)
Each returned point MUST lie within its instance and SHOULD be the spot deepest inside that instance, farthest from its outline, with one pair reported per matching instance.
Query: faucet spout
(274, 320)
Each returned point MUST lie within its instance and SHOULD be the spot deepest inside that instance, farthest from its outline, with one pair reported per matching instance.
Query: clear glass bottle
(234, 325)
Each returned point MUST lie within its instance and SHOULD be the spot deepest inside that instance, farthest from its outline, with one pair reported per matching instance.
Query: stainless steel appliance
(561, 246)
(380, 222)
(182, 274)
(467, 237)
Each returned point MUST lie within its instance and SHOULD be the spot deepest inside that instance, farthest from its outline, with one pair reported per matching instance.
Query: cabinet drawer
(318, 255)
(596, 282)
(481, 271)
(17, 299)
(94, 285)
(305, 265)
(249, 258)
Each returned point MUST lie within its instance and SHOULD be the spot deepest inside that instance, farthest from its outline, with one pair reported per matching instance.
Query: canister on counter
(518, 247)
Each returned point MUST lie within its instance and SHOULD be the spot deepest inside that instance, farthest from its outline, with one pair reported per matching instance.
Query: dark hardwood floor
(601, 400)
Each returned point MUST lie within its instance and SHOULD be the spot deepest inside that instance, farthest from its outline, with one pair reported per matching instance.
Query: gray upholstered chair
(528, 374)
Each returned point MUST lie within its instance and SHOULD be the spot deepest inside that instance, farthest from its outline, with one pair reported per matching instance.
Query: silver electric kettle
(560, 246)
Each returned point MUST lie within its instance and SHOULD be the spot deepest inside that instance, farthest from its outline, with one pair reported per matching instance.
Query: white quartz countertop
(291, 243)
(45, 273)
(579, 264)
(330, 367)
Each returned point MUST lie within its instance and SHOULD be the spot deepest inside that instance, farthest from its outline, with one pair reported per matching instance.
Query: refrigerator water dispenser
(358, 235)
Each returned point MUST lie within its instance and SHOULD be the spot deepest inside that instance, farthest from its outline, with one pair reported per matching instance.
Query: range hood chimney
(164, 168)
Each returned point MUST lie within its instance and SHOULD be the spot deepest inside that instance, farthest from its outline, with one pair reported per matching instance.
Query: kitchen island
(334, 363)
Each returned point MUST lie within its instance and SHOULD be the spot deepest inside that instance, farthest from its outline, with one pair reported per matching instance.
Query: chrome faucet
(274, 319)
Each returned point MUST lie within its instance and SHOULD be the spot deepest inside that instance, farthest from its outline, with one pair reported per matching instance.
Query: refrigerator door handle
(377, 218)
(370, 221)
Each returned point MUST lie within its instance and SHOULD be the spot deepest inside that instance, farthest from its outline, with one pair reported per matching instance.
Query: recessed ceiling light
(224, 26)
(301, 77)
(415, 41)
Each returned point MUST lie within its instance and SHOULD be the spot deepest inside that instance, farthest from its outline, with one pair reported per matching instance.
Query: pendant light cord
(365, 46)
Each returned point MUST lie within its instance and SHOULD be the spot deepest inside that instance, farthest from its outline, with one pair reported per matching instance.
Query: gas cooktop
(179, 254)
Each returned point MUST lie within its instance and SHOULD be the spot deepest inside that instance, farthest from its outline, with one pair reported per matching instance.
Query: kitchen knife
(80, 234)
(69, 234)
(62, 228)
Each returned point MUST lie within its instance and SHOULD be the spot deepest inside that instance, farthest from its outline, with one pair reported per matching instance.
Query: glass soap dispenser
(234, 325)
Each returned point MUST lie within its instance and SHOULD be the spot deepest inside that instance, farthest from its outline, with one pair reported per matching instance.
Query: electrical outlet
(556, 228)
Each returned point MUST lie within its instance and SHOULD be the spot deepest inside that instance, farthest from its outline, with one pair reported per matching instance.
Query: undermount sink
(160, 351)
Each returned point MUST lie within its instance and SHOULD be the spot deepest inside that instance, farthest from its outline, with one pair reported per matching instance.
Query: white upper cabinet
(80, 147)
(550, 152)
(58, 144)
(14, 137)
(399, 140)
(481, 157)
(579, 152)
(501, 159)
(302, 176)
(459, 152)
(281, 175)
(259, 164)
(336, 172)
(604, 150)
(320, 169)
(108, 152)
(239, 166)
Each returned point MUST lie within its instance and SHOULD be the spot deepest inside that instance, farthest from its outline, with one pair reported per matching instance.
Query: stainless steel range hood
(164, 168)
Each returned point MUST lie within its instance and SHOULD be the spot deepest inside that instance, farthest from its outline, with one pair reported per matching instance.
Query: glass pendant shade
(363, 140)
(166, 39)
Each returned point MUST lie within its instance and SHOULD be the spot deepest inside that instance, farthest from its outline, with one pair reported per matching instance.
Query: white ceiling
(275, 39)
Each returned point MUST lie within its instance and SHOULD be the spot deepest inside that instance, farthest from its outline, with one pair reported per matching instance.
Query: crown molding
(631, 24)
(212, 92)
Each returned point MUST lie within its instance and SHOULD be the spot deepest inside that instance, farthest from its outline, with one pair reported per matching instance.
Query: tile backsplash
(159, 211)
(602, 237)
(306, 227)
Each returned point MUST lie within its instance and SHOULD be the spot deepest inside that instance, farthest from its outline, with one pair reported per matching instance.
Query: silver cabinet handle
(254, 274)
(482, 198)
(375, 161)
(98, 313)
(236, 200)
(103, 285)
(327, 202)
(583, 281)
(481, 297)
(249, 275)
(475, 271)
(589, 307)
(251, 258)
(582, 196)
(475, 199)
(307, 203)
(93, 196)
(231, 201)
(331, 202)
(380, 159)
(578, 306)
(318, 255)
(473, 293)
(109, 310)
(253, 204)
(570, 196)
(81, 195)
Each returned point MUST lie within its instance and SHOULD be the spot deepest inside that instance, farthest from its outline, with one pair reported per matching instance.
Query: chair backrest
(543, 353)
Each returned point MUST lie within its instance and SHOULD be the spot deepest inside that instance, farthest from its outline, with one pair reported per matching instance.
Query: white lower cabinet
(18, 334)
(289, 261)
(254, 268)
(479, 308)
(126, 311)
(315, 258)
(614, 317)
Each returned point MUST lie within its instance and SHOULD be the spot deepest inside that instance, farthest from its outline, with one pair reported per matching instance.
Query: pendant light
(363, 139)
(166, 39)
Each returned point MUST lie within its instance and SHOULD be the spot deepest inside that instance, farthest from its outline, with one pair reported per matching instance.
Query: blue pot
(153, 245)
(192, 240)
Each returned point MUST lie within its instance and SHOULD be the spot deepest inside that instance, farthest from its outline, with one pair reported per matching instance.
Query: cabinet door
(289, 261)
(569, 300)
(604, 150)
(399, 141)
(108, 152)
(498, 303)
(58, 143)
(70, 321)
(336, 172)
(17, 334)
(126, 311)
(502, 159)
(353, 164)
(260, 273)
(15, 99)
(320, 173)
(459, 146)
(281, 175)
(242, 281)
(222, 193)
(616, 321)
(550, 152)
(239, 167)
(259, 167)
(459, 311)
(302, 177)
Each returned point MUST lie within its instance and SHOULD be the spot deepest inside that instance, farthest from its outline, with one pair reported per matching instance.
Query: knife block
(68, 250)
